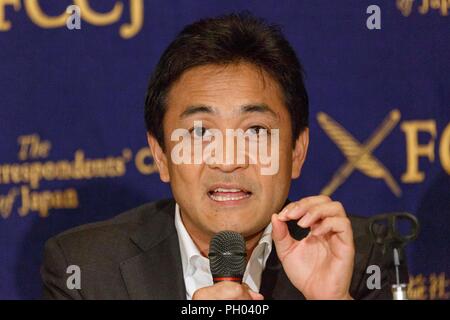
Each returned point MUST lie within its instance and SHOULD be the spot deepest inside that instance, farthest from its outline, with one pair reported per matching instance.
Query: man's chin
(245, 227)
(239, 229)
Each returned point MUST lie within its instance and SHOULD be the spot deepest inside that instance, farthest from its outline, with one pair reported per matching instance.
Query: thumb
(280, 236)
(255, 295)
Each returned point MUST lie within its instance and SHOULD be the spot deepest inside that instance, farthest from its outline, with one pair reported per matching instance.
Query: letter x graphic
(359, 156)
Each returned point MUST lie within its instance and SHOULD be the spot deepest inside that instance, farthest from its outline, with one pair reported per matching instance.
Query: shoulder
(365, 246)
(362, 239)
(360, 226)
(368, 254)
(109, 239)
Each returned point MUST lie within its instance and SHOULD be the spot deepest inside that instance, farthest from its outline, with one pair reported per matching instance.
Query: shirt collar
(188, 248)
(265, 243)
(190, 253)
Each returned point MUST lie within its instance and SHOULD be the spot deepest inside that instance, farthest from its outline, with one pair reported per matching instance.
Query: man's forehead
(216, 80)
(232, 89)
(224, 71)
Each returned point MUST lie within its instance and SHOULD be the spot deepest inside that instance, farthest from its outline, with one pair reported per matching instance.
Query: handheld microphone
(227, 256)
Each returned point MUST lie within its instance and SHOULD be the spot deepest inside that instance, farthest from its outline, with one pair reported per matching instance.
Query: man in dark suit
(236, 75)
(136, 255)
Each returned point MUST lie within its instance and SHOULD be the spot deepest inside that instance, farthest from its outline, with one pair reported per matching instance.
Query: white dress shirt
(196, 267)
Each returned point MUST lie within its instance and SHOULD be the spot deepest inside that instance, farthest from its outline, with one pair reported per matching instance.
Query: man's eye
(198, 132)
(256, 130)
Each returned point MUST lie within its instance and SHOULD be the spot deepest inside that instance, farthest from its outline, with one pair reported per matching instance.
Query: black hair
(231, 38)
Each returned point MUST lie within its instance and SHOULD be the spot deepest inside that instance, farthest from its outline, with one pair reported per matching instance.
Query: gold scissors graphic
(359, 156)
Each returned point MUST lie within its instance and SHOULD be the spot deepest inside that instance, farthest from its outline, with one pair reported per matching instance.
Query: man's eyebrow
(261, 108)
(191, 110)
(248, 108)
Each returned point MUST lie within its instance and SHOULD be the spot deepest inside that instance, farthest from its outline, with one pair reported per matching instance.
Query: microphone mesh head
(227, 255)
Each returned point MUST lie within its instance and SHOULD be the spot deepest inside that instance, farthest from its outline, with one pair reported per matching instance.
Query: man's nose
(233, 158)
(228, 167)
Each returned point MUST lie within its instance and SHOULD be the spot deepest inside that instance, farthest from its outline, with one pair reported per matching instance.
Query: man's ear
(159, 157)
(299, 153)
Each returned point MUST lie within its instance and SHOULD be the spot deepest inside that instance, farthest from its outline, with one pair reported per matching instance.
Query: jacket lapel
(157, 272)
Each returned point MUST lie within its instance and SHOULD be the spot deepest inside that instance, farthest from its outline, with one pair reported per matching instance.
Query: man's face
(237, 197)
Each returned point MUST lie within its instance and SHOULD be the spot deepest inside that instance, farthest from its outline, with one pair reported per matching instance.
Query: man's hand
(321, 264)
(226, 290)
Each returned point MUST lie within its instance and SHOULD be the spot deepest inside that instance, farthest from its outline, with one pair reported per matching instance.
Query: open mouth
(221, 194)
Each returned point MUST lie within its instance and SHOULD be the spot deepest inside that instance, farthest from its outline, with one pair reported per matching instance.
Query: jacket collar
(157, 272)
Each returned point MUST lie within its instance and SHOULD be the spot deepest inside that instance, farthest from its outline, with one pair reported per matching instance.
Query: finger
(337, 225)
(256, 295)
(322, 211)
(241, 292)
(245, 286)
(226, 290)
(202, 294)
(297, 209)
(282, 215)
(281, 237)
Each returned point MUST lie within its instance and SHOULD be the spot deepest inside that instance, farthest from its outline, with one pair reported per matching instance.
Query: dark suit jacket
(136, 255)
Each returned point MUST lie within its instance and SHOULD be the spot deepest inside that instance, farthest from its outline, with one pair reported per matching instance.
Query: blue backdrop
(72, 137)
